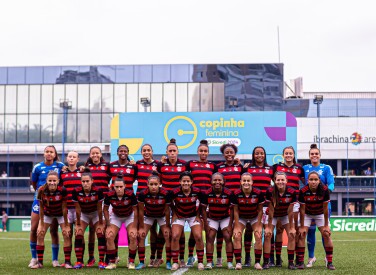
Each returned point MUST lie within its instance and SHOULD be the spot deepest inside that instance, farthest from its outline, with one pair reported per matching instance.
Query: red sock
(40, 252)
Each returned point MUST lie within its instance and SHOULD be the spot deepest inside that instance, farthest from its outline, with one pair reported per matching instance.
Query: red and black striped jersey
(248, 205)
(232, 175)
(88, 202)
(101, 175)
(185, 206)
(154, 205)
(314, 203)
(144, 171)
(261, 176)
(121, 207)
(219, 205)
(170, 174)
(201, 172)
(53, 202)
(70, 180)
(129, 172)
(282, 202)
(294, 174)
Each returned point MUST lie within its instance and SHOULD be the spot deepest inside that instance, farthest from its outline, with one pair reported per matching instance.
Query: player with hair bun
(201, 170)
(154, 206)
(88, 202)
(52, 201)
(124, 211)
(314, 201)
(170, 169)
(326, 178)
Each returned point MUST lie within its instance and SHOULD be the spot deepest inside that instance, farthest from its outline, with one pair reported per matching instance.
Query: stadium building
(36, 103)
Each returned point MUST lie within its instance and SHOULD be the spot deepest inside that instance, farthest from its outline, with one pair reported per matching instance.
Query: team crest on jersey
(236, 169)
(179, 169)
(57, 197)
(126, 202)
(294, 171)
(128, 170)
(160, 201)
(36, 208)
(103, 168)
(78, 174)
(56, 170)
(81, 199)
(207, 166)
(93, 198)
(223, 201)
(196, 165)
(154, 168)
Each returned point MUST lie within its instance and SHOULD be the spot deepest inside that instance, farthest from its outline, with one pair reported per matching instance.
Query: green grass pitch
(353, 254)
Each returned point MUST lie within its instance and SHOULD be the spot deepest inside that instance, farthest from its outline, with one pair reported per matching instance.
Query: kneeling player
(220, 216)
(154, 205)
(124, 210)
(314, 199)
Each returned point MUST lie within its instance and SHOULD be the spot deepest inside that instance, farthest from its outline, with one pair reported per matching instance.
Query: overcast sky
(330, 43)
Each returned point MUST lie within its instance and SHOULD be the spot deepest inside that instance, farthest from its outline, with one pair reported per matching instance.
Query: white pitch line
(360, 240)
(16, 239)
(180, 271)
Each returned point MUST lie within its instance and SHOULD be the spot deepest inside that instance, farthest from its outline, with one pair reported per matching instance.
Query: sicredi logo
(344, 225)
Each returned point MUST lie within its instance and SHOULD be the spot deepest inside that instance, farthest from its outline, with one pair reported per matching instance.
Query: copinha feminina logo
(356, 138)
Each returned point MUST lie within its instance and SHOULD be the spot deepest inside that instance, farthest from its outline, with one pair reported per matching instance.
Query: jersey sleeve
(133, 200)
(100, 195)
(168, 197)
(261, 198)
(106, 200)
(203, 197)
(294, 197)
(268, 196)
(327, 196)
(64, 193)
(329, 177)
(35, 173)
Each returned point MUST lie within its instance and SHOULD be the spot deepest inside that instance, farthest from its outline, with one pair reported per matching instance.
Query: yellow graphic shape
(114, 131)
(134, 144)
(182, 132)
(277, 159)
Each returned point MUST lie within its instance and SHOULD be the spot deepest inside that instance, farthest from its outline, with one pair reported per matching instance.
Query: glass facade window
(16, 75)
(347, 108)
(83, 98)
(95, 98)
(107, 73)
(206, 92)
(2, 128)
(143, 92)
(218, 97)
(35, 99)
(22, 129)
(10, 99)
(120, 98)
(23, 99)
(35, 129)
(182, 95)
(366, 107)
(58, 96)
(132, 98)
(57, 126)
(3, 76)
(180, 73)
(124, 74)
(2, 99)
(71, 95)
(34, 75)
(143, 73)
(156, 98)
(161, 73)
(193, 97)
(95, 127)
(72, 127)
(169, 103)
(108, 98)
(10, 128)
(51, 74)
(83, 133)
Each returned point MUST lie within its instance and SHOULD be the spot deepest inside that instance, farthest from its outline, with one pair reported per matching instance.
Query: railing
(355, 181)
(15, 185)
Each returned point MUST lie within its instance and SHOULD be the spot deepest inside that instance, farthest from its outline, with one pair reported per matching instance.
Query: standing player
(281, 200)
(70, 179)
(327, 178)
(262, 175)
(154, 207)
(145, 167)
(231, 169)
(201, 170)
(295, 174)
(247, 209)
(124, 210)
(38, 178)
(100, 170)
(123, 166)
(184, 200)
(88, 202)
(52, 201)
(220, 216)
(170, 170)
(314, 201)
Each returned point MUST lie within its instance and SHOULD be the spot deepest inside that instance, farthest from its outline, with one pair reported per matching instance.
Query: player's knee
(132, 236)
(166, 234)
(279, 230)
